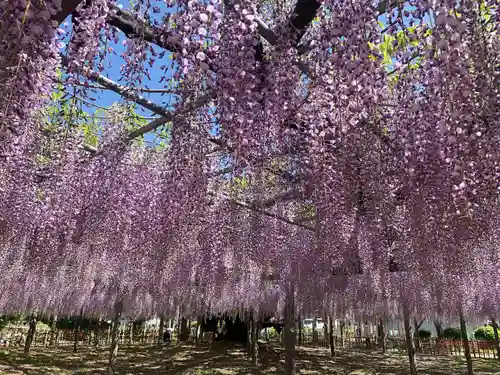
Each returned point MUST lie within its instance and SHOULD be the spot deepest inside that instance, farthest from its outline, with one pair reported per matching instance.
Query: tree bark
(417, 337)
(160, 329)
(381, 327)
(300, 330)
(330, 335)
(315, 330)
(97, 333)
(77, 331)
(497, 339)
(31, 334)
(439, 329)
(289, 335)
(342, 326)
(184, 329)
(465, 341)
(325, 327)
(113, 350)
(409, 340)
(53, 328)
(254, 338)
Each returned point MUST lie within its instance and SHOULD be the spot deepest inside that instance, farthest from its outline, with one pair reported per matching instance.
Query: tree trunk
(381, 335)
(77, 331)
(199, 321)
(325, 327)
(254, 338)
(289, 335)
(342, 326)
(97, 334)
(184, 330)
(160, 329)
(497, 340)
(439, 329)
(315, 330)
(409, 340)
(113, 350)
(53, 330)
(300, 330)
(31, 334)
(417, 337)
(330, 335)
(465, 341)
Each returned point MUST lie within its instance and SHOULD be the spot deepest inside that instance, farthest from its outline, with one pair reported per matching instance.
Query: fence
(479, 348)
(126, 335)
(66, 337)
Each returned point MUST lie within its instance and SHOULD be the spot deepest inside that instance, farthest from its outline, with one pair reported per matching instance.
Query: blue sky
(114, 61)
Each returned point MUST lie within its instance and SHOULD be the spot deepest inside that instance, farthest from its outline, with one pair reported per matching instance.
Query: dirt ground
(221, 359)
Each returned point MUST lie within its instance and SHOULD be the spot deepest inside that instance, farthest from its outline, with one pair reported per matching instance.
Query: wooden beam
(122, 90)
(68, 6)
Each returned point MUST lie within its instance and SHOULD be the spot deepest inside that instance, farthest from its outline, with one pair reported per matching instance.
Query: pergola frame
(301, 18)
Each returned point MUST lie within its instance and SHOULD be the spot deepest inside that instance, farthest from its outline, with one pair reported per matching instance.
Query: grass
(220, 359)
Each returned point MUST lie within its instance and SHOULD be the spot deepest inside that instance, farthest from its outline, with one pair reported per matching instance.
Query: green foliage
(72, 322)
(452, 333)
(17, 318)
(273, 334)
(484, 333)
(424, 334)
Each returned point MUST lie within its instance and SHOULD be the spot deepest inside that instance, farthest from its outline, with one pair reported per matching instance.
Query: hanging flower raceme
(28, 63)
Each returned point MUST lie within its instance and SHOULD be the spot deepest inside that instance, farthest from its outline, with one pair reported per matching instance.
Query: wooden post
(161, 328)
(330, 335)
(113, 350)
(53, 328)
(315, 330)
(131, 333)
(46, 338)
(417, 337)
(325, 328)
(77, 331)
(254, 338)
(289, 335)
(184, 330)
(31, 334)
(439, 328)
(409, 340)
(342, 327)
(497, 339)
(381, 334)
(300, 330)
(465, 341)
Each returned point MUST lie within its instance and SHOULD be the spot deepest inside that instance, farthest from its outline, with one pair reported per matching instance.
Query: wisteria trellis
(398, 167)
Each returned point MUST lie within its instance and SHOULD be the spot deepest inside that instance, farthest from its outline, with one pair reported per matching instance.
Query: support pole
(409, 340)
(31, 334)
(342, 327)
(113, 350)
(53, 331)
(289, 335)
(497, 340)
(300, 330)
(161, 328)
(381, 334)
(417, 337)
(76, 332)
(254, 338)
(465, 341)
(315, 330)
(330, 335)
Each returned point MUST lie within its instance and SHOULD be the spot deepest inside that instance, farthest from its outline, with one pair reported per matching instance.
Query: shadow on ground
(224, 359)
